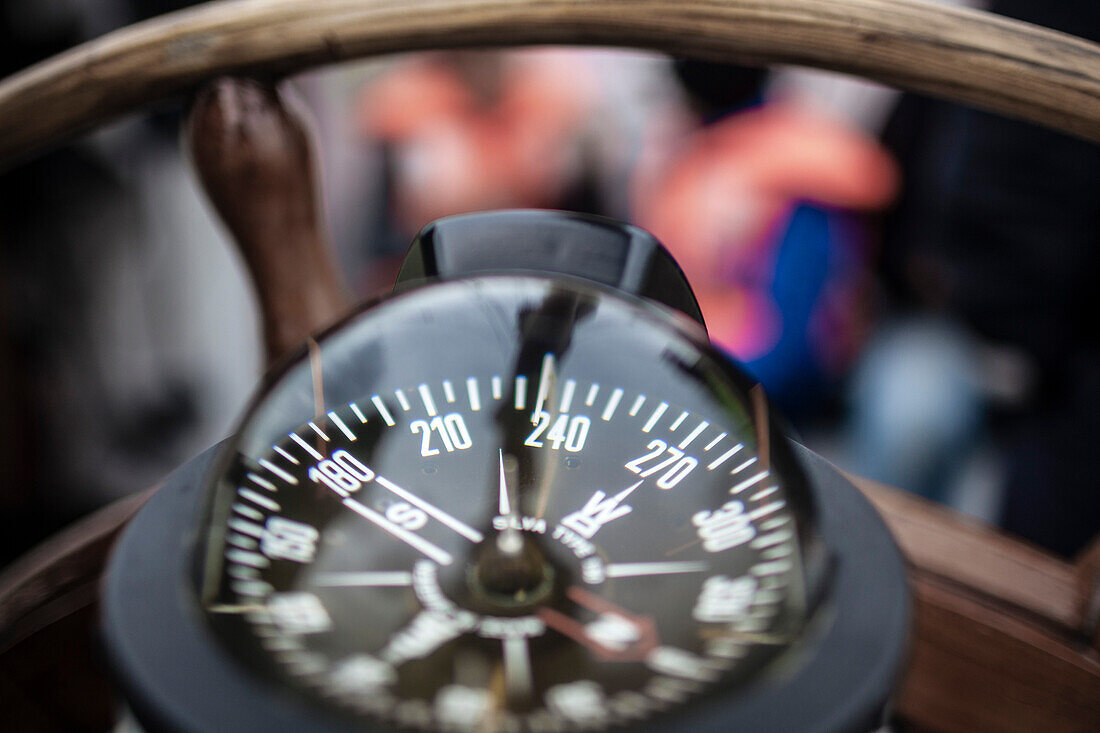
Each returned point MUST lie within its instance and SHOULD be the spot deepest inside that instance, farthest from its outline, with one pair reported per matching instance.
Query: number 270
(678, 464)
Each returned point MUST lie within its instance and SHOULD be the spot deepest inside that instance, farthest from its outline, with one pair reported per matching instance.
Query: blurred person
(997, 234)
(917, 407)
(759, 202)
(917, 391)
(466, 131)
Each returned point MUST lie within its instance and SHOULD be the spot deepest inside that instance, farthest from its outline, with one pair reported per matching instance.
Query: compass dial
(508, 503)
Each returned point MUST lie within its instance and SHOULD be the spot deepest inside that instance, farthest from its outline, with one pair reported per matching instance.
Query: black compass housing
(539, 308)
(625, 258)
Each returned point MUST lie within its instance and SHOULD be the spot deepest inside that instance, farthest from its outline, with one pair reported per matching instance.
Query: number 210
(451, 430)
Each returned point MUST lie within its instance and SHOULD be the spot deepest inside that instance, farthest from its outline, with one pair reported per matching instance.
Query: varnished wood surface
(959, 54)
(60, 576)
(1087, 566)
(52, 676)
(945, 543)
(977, 667)
(1002, 641)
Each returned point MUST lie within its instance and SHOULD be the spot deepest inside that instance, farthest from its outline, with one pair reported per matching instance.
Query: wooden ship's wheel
(1005, 636)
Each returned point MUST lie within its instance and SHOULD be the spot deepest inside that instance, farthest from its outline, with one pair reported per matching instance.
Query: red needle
(575, 630)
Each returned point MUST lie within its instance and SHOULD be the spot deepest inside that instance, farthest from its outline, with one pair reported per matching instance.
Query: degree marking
(752, 625)
(567, 395)
(286, 455)
(358, 413)
(590, 399)
(228, 608)
(743, 466)
(248, 512)
(716, 441)
(774, 567)
(381, 407)
(340, 424)
(306, 446)
(278, 472)
(774, 523)
(261, 482)
(258, 499)
(244, 557)
(304, 666)
(495, 383)
(694, 434)
(655, 417)
(724, 457)
(426, 398)
(637, 405)
(612, 404)
(521, 393)
(774, 553)
(402, 399)
(766, 510)
(472, 393)
(670, 689)
(320, 433)
(768, 596)
(770, 539)
(243, 525)
(678, 421)
(750, 482)
(239, 540)
(251, 588)
(443, 517)
(764, 494)
(242, 572)
(448, 391)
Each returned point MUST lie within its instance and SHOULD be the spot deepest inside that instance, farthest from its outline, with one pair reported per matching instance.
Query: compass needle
(505, 504)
